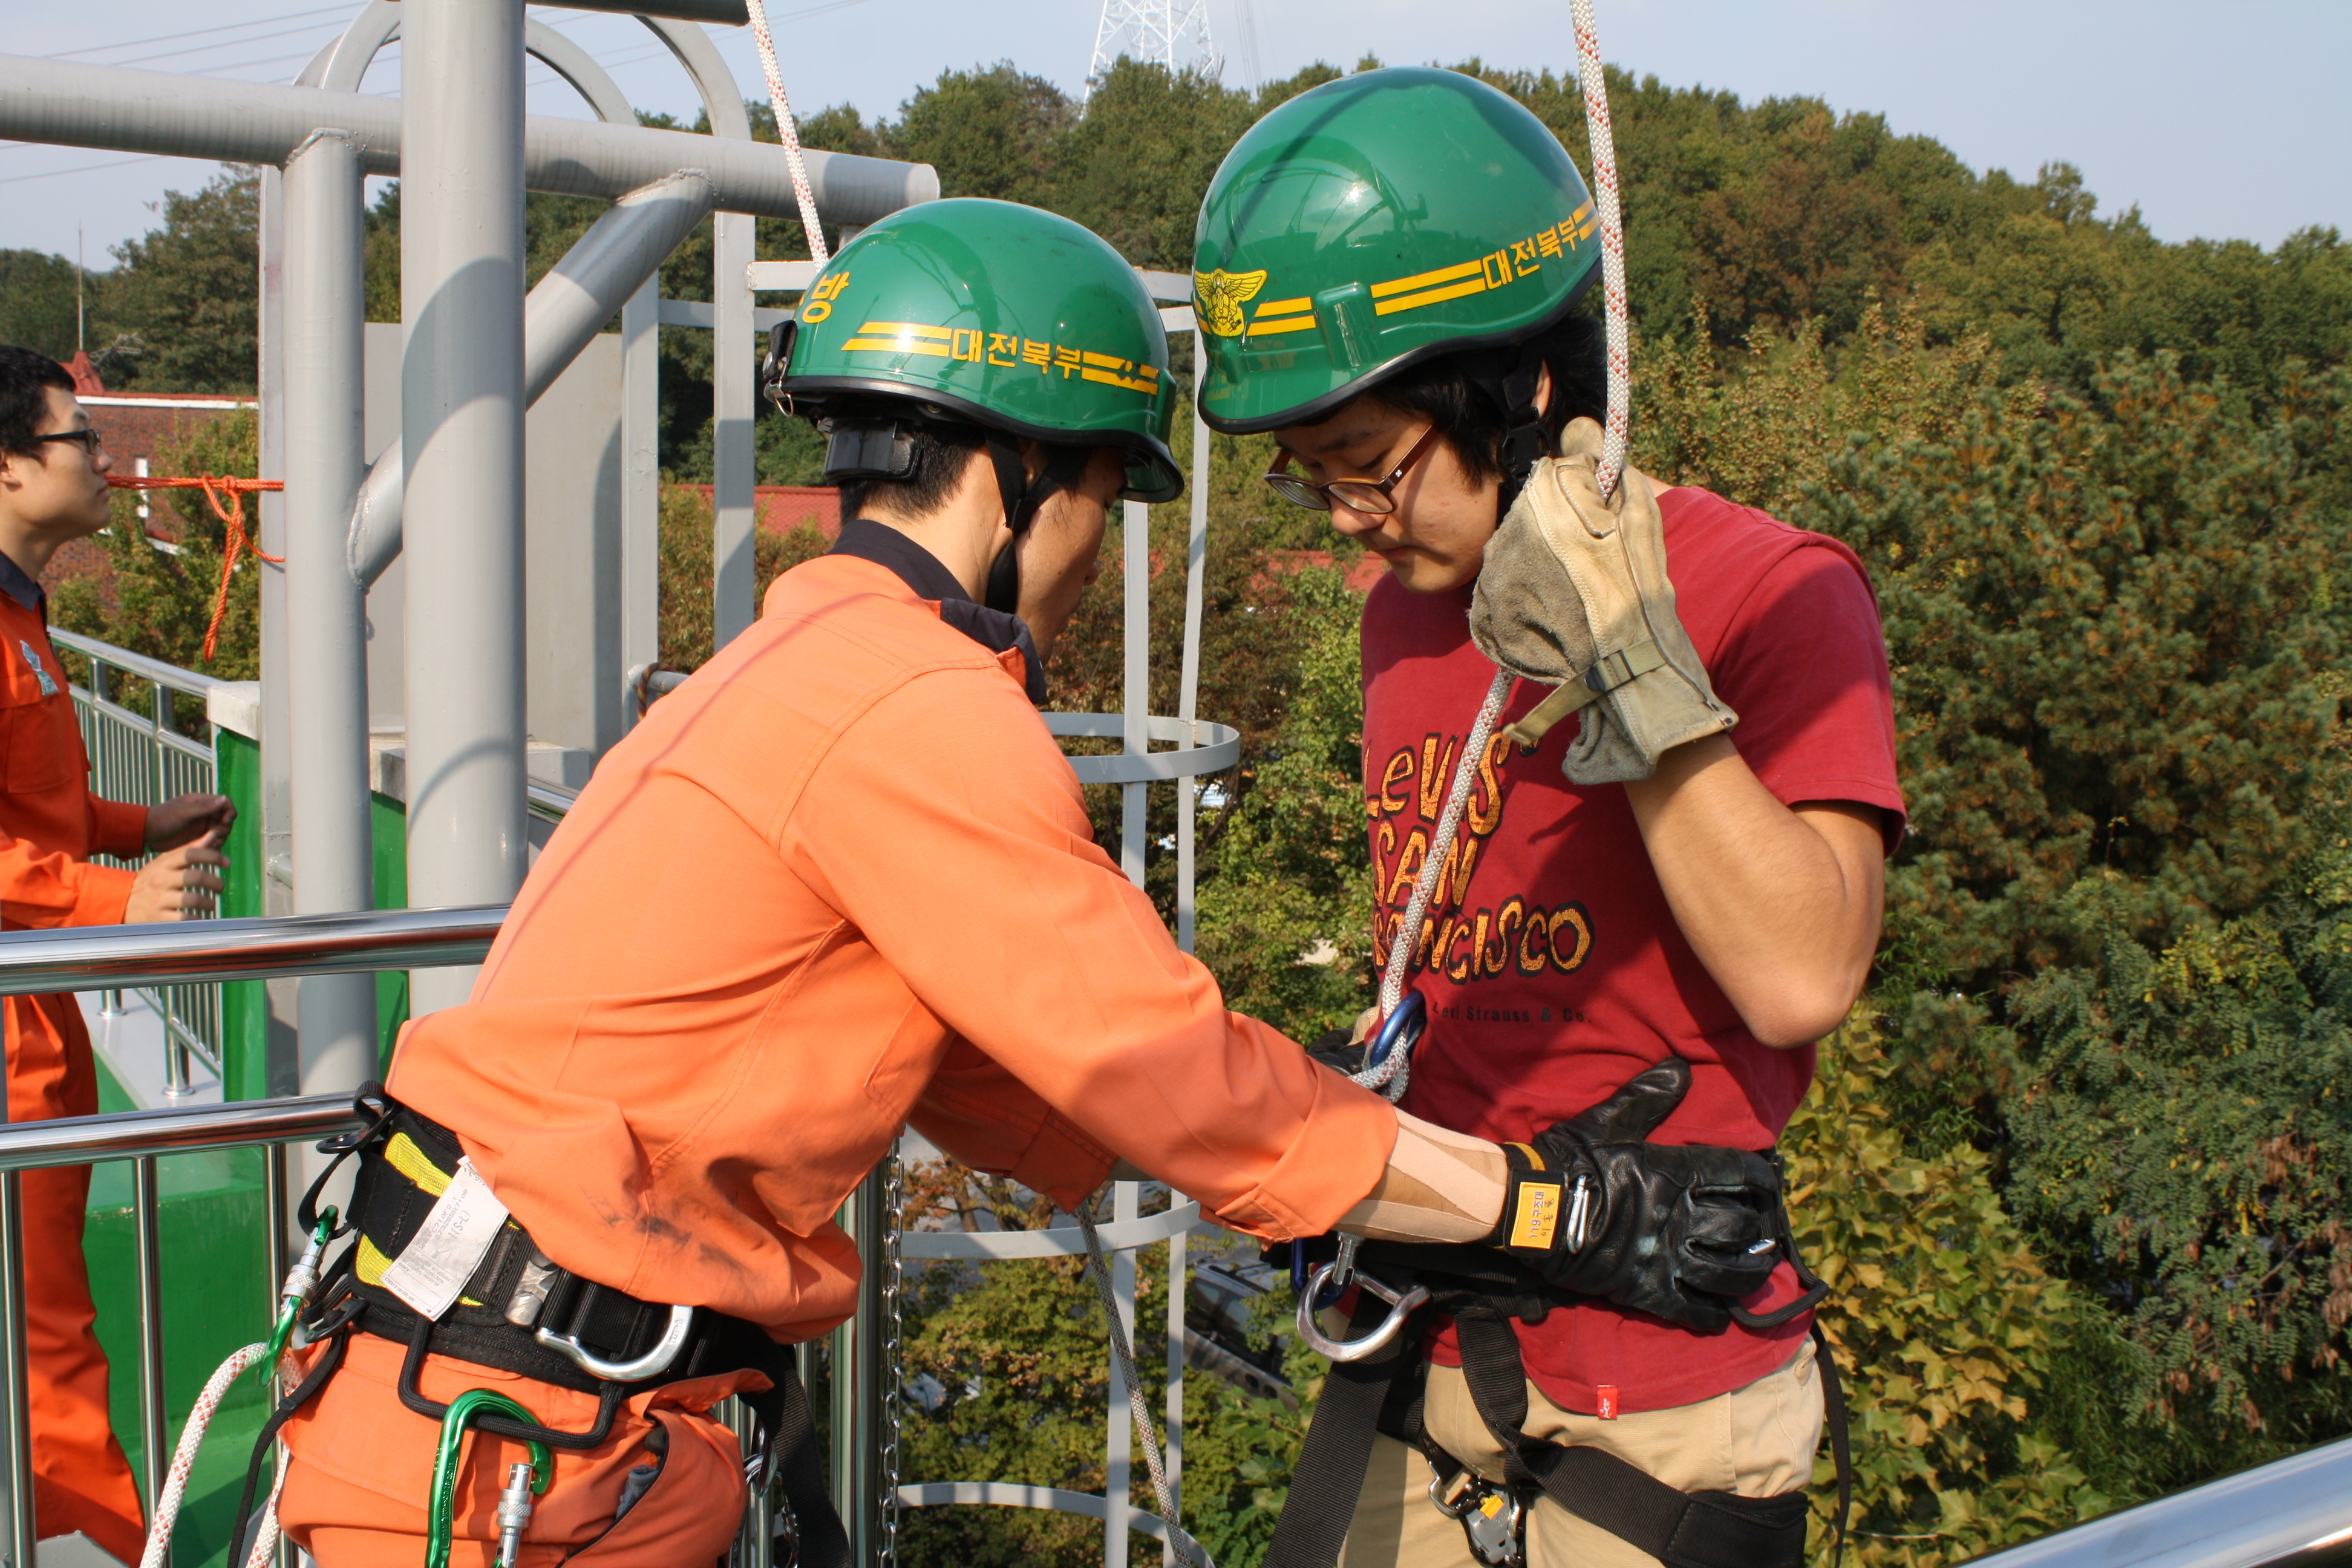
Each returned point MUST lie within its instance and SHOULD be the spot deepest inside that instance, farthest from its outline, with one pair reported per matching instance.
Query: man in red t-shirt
(1718, 904)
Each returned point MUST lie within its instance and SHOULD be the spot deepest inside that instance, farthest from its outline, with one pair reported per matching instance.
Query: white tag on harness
(432, 1268)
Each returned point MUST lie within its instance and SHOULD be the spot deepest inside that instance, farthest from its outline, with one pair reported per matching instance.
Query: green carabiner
(293, 1295)
(439, 1524)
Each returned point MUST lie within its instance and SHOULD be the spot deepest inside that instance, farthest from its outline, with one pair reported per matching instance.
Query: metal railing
(140, 957)
(2295, 1512)
(143, 757)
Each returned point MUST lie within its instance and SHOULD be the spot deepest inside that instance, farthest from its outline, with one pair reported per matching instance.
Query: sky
(2217, 120)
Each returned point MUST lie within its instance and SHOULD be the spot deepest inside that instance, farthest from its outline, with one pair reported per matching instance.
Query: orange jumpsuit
(49, 827)
(840, 882)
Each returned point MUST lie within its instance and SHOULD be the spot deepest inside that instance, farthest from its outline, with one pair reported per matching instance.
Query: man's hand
(187, 818)
(179, 882)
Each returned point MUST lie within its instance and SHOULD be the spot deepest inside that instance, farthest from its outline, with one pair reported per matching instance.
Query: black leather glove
(1680, 1233)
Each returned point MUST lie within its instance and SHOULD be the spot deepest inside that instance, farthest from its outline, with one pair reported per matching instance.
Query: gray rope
(1186, 1547)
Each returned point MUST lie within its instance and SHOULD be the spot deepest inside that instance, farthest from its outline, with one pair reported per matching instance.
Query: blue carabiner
(1401, 1030)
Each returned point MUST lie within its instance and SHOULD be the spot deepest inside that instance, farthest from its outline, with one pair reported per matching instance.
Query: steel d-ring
(652, 1363)
(1402, 1305)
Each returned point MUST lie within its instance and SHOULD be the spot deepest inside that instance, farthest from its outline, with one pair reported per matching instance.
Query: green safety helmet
(1376, 221)
(988, 314)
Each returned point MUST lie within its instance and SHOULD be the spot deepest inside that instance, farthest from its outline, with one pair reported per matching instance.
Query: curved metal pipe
(569, 307)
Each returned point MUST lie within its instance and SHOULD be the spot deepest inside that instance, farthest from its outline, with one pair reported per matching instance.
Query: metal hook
(1402, 1305)
(656, 1359)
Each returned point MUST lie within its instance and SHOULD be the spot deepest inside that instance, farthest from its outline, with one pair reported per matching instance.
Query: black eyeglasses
(1373, 497)
(86, 440)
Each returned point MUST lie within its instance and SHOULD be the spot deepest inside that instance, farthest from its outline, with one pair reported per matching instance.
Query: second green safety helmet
(1375, 221)
(1011, 318)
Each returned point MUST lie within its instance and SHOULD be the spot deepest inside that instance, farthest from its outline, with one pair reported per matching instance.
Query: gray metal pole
(64, 103)
(16, 1416)
(732, 372)
(640, 483)
(326, 611)
(856, 1390)
(461, 421)
(281, 1068)
(147, 1217)
(599, 275)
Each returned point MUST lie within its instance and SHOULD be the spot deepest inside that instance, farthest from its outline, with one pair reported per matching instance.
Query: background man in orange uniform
(53, 489)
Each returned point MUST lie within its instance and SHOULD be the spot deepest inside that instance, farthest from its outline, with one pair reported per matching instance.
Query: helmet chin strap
(1022, 496)
(1511, 385)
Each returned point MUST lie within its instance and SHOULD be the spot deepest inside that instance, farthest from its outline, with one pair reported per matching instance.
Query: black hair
(1442, 391)
(938, 453)
(24, 378)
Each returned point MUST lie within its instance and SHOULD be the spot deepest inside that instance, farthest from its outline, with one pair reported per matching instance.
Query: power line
(200, 32)
(224, 44)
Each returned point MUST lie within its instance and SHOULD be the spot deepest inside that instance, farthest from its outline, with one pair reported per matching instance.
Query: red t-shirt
(1560, 971)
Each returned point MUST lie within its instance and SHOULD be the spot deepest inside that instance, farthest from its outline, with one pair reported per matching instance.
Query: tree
(159, 601)
(188, 291)
(37, 302)
(1946, 1327)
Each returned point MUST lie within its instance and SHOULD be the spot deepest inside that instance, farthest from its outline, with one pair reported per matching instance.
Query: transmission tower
(1172, 33)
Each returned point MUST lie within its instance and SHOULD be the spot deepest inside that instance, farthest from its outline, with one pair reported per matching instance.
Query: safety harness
(1483, 1291)
(519, 1311)
(1647, 1227)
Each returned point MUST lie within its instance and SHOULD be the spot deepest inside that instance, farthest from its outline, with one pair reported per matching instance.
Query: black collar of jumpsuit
(18, 585)
(921, 571)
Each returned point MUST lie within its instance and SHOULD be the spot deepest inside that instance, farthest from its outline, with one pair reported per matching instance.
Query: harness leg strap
(1682, 1530)
(1329, 1475)
(329, 1360)
(794, 1464)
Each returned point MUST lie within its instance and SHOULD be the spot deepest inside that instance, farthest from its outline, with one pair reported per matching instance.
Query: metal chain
(892, 1378)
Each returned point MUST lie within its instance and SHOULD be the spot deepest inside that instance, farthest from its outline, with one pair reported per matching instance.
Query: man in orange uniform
(53, 489)
(840, 882)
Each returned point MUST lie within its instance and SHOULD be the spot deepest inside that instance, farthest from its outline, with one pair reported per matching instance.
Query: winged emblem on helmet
(1222, 294)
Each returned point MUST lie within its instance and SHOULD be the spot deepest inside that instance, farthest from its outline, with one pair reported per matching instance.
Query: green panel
(245, 1011)
(388, 821)
(216, 1296)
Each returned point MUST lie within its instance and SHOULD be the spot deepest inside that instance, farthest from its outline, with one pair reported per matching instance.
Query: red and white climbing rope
(789, 130)
(1594, 84)
(1390, 1076)
(183, 1460)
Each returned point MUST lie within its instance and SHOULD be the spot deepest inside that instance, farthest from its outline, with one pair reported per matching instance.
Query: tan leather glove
(1574, 593)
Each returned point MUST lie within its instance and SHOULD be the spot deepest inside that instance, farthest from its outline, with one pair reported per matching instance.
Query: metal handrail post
(18, 1415)
(148, 1216)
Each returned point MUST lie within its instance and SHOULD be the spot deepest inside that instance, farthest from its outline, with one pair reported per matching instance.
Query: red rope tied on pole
(232, 516)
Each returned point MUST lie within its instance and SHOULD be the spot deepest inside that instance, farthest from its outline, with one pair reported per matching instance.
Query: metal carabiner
(655, 1360)
(1402, 1305)
(441, 1503)
(1401, 1030)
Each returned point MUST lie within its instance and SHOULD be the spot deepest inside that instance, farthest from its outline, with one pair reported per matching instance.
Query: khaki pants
(1757, 1441)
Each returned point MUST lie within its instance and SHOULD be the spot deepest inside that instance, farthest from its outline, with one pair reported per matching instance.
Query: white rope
(1186, 1547)
(1449, 823)
(1594, 84)
(183, 1458)
(1391, 1076)
(789, 130)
